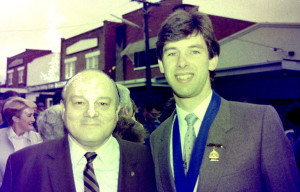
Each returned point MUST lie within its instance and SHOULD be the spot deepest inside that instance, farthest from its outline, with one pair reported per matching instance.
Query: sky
(35, 24)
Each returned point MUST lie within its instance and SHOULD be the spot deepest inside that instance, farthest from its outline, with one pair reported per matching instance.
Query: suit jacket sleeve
(7, 185)
(277, 158)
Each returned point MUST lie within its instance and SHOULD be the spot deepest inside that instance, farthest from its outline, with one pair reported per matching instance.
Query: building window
(70, 67)
(92, 60)
(10, 77)
(139, 58)
(21, 75)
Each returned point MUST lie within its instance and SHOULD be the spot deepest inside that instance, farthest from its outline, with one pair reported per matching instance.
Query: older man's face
(90, 112)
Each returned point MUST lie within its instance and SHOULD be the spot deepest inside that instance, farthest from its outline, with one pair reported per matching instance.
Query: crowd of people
(94, 138)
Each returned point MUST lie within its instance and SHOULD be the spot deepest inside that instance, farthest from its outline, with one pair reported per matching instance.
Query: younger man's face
(186, 66)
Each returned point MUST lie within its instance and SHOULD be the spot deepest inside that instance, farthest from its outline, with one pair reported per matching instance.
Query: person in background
(88, 158)
(209, 143)
(57, 97)
(50, 124)
(37, 112)
(5, 96)
(168, 109)
(135, 109)
(18, 113)
(130, 130)
(125, 102)
(152, 112)
(127, 127)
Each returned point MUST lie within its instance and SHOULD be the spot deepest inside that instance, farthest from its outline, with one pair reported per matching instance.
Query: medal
(214, 155)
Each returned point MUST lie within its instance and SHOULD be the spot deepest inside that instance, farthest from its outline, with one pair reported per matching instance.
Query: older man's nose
(92, 112)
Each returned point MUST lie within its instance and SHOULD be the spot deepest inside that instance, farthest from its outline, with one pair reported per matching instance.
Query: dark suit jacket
(256, 155)
(47, 167)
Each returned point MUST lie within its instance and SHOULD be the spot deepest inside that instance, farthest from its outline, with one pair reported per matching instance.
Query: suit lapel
(60, 167)
(211, 171)
(166, 175)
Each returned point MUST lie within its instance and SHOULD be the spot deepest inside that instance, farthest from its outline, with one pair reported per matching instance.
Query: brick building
(90, 50)
(17, 67)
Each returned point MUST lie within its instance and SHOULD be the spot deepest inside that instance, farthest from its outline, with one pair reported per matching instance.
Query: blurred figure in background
(125, 101)
(135, 110)
(50, 124)
(127, 127)
(168, 109)
(37, 112)
(6, 95)
(57, 97)
(18, 113)
(152, 112)
(130, 130)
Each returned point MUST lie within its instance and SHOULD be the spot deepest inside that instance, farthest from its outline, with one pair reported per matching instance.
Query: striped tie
(89, 177)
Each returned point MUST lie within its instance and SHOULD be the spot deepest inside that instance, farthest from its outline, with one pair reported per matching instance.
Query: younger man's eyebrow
(197, 46)
(168, 48)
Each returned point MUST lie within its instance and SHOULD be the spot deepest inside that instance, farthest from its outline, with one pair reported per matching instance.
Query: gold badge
(214, 155)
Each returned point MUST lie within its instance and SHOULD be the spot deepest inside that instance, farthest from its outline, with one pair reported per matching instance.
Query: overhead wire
(63, 27)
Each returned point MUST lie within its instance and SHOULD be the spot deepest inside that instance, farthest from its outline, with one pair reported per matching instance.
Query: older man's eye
(79, 102)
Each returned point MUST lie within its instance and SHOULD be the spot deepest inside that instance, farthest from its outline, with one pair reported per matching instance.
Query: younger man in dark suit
(88, 158)
(208, 143)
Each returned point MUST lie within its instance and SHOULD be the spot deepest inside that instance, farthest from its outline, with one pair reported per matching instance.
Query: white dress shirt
(18, 141)
(199, 111)
(10, 142)
(106, 164)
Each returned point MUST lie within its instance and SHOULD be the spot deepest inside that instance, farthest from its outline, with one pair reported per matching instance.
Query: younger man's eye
(195, 52)
(171, 54)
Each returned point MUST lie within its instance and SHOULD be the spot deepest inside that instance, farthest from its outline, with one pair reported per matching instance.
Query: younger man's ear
(213, 62)
(62, 105)
(161, 66)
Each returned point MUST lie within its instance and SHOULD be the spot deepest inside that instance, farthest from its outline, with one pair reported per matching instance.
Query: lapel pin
(132, 173)
(214, 155)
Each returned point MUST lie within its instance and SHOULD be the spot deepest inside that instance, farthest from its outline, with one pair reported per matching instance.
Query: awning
(285, 64)
(138, 46)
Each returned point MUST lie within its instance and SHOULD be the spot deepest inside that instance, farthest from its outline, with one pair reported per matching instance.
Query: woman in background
(18, 113)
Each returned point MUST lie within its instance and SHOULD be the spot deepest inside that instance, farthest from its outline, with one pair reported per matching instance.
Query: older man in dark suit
(88, 158)
(208, 143)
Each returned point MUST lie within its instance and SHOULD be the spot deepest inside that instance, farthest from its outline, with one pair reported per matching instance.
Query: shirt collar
(103, 153)
(12, 135)
(199, 111)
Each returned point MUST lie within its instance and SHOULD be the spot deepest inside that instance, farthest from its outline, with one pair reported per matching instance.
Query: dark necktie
(89, 177)
(189, 140)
